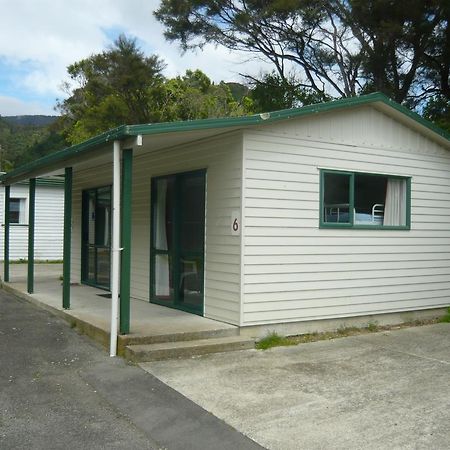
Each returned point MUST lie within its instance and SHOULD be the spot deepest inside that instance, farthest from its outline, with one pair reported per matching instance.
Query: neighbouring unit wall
(294, 271)
(222, 159)
(49, 223)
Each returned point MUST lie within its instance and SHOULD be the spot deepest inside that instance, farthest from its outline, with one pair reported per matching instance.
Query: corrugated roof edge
(125, 131)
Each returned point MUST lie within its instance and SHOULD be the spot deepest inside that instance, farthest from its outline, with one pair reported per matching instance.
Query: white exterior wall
(49, 223)
(294, 271)
(222, 159)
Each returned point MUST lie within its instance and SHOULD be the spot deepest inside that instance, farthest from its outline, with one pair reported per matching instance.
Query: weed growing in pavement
(273, 339)
(446, 318)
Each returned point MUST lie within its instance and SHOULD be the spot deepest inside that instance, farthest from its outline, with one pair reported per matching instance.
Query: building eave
(61, 158)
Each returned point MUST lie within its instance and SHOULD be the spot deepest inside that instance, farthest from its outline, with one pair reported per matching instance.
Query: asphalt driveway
(59, 390)
(387, 390)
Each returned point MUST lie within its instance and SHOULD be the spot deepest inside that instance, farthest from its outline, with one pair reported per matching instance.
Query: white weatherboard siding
(294, 271)
(222, 159)
(49, 223)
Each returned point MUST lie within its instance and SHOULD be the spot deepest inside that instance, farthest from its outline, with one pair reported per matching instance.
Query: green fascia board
(412, 115)
(284, 114)
(126, 131)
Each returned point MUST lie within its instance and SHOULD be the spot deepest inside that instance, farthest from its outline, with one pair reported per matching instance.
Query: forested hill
(25, 138)
(36, 120)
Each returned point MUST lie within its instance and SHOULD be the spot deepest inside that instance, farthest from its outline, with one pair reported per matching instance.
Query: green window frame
(358, 200)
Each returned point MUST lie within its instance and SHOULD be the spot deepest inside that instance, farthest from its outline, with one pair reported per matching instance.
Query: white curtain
(160, 236)
(162, 282)
(395, 203)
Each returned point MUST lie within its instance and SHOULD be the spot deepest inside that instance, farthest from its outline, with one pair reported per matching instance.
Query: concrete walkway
(88, 305)
(387, 390)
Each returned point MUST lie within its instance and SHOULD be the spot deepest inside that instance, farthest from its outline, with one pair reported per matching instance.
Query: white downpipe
(115, 265)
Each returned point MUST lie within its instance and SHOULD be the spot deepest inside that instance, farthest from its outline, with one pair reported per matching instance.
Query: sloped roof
(216, 126)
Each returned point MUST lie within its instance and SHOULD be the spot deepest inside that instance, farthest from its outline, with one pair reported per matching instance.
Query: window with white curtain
(364, 200)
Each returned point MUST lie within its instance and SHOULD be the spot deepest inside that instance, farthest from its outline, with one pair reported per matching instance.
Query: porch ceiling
(89, 154)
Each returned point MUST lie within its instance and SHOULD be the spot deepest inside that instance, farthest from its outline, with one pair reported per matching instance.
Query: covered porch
(130, 228)
(91, 311)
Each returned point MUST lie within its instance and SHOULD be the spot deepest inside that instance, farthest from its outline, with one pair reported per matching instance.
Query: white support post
(115, 266)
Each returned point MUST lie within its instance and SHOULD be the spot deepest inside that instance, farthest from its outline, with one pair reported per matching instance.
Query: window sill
(345, 226)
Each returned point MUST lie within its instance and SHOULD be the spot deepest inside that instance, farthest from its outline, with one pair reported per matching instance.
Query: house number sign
(236, 223)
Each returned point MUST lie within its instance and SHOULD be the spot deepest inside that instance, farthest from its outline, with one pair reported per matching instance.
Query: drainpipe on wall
(115, 266)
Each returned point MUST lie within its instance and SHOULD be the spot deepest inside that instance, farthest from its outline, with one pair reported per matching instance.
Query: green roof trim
(283, 114)
(412, 115)
(126, 131)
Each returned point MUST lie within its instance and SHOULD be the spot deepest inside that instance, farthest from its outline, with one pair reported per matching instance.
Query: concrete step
(130, 339)
(186, 349)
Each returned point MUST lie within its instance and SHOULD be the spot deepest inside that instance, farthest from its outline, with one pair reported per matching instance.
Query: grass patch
(36, 375)
(275, 340)
(346, 331)
(446, 318)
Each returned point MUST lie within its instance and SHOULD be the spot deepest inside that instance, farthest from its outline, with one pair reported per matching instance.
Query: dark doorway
(96, 237)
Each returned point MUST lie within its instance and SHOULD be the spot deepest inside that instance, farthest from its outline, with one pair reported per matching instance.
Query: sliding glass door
(178, 235)
(96, 237)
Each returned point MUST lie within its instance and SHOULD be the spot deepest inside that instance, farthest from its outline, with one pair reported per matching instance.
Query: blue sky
(40, 38)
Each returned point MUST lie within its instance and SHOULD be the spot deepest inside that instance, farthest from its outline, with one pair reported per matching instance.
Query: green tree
(51, 141)
(272, 92)
(194, 96)
(122, 85)
(111, 88)
(438, 111)
(17, 143)
(339, 47)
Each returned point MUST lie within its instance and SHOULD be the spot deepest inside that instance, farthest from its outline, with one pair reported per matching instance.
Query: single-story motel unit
(48, 230)
(313, 215)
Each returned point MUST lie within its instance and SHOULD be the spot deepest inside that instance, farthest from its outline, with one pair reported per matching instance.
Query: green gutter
(412, 115)
(284, 114)
(126, 131)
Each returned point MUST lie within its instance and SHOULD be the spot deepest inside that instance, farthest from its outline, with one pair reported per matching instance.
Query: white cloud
(45, 36)
(10, 106)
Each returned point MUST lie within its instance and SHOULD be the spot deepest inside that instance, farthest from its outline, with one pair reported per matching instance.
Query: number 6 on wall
(236, 223)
